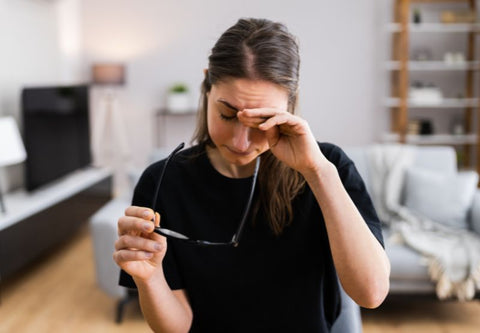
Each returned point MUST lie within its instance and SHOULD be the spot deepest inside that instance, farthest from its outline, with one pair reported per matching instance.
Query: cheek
(219, 131)
(259, 138)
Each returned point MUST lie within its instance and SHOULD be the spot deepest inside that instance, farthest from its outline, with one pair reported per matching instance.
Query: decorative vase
(178, 103)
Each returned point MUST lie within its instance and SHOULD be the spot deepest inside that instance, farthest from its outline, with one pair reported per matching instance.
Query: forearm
(361, 263)
(163, 311)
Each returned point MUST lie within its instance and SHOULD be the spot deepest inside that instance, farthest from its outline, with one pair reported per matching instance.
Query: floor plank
(58, 293)
(422, 314)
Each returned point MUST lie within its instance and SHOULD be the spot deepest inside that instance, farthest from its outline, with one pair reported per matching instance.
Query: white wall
(34, 51)
(163, 42)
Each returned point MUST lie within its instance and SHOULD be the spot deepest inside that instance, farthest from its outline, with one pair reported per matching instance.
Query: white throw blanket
(452, 256)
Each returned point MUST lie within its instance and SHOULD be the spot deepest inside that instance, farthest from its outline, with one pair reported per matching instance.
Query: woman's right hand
(139, 251)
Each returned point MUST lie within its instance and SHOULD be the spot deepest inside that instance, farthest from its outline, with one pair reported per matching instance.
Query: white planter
(178, 103)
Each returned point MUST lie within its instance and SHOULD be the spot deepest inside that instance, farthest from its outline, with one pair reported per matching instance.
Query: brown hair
(259, 49)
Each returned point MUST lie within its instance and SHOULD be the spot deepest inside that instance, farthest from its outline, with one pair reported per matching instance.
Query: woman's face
(238, 144)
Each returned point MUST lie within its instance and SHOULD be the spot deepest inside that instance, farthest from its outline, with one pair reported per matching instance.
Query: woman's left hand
(289, 137)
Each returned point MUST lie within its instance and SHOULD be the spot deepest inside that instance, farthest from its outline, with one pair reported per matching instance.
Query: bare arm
(361, 263)
(165, 310)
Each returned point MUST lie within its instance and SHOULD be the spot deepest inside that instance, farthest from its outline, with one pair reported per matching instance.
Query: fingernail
(146, 213)
(147, 226)
(157, 247)
(148, 254)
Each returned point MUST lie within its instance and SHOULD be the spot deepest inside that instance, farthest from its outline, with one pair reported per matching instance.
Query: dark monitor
(56, 132)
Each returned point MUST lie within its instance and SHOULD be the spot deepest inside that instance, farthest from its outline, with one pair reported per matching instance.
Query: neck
(229, 169)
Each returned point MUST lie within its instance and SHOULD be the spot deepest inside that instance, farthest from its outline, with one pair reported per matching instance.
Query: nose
(241, 137)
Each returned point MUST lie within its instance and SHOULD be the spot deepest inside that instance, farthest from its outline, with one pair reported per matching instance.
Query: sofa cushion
(475, 212)
(443, 198)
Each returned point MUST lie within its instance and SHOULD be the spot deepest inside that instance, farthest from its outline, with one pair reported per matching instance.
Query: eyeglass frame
(178, 236)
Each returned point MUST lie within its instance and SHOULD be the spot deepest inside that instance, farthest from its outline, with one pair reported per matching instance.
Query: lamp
(12, 150)
(109, 76)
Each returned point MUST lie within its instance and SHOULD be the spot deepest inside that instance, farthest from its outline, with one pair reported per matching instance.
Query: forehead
(248, 93)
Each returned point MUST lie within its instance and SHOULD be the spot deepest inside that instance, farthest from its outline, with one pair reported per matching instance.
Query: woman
(311, 218)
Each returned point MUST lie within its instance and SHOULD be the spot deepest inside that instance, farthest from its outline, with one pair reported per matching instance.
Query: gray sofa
(408, 275)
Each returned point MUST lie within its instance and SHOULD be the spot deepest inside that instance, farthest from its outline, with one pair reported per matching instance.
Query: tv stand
(36, 221)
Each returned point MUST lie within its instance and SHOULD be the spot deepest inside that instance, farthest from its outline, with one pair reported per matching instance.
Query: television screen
(56, 132)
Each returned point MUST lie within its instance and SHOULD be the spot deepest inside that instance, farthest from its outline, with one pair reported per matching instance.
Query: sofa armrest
(103, 227)
(350, 319)
(475, 213)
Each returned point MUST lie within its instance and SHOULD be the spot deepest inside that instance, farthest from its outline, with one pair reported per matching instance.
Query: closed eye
(226, 113)
(227, 118)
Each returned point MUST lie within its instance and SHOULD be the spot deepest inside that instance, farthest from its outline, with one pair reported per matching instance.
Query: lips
(242, 153)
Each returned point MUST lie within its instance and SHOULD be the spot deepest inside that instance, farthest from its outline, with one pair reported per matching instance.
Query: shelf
(433, 139)
(403, 97)
(433, 66)
(445, 103)
(166, 112)
(435, 27)
(439, 1)
(21, 204)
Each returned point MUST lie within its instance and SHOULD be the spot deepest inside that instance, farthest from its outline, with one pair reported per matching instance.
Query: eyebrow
(228, 105)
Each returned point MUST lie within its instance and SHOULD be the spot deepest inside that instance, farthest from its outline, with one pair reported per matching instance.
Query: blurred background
(133, 59)
(162, 43)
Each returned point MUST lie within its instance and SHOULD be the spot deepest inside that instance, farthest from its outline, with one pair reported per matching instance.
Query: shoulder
(334, 154)
(184, 157)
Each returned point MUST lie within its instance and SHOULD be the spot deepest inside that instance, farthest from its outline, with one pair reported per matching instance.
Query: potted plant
(178, 99)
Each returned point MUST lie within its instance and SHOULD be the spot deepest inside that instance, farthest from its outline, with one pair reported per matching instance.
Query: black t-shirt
(268, 283)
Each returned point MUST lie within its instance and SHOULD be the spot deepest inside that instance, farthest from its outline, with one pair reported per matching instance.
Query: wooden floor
(58, 294)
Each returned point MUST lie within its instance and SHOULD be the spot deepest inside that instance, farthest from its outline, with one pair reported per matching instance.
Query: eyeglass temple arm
(237, 235)
(155, 197)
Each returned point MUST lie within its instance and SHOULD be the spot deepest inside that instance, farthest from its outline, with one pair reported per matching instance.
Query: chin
(239, 159)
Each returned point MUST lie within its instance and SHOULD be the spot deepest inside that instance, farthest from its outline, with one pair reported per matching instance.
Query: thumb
(157, 219)
(273, 136)
(154, 235)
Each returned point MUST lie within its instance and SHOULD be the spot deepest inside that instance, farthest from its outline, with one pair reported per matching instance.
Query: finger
(128, 224)
(142, 212)
(260, 113)
(138, 243)
(274, 121)
(288, 123)
(157, 219)
(253, 118)
(157, 237)
(131, 255)
(273, 136)
(252, 122)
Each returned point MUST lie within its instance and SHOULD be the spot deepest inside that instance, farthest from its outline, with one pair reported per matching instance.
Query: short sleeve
(356, 189)
(142, 197)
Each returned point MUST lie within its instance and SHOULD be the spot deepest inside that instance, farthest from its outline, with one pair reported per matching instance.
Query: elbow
(378, 287)
(376, 292)
(375, 298)
(369, 287)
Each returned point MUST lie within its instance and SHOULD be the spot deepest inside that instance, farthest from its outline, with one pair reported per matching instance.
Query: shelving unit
(403, 31)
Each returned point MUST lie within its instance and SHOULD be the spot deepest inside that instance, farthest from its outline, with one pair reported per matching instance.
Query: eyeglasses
(176, 235)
